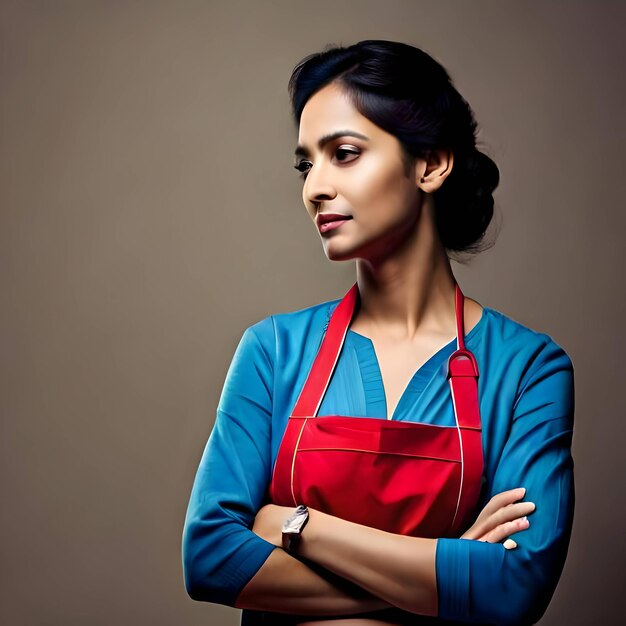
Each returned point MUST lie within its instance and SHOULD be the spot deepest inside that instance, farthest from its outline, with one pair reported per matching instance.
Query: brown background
(150, 213)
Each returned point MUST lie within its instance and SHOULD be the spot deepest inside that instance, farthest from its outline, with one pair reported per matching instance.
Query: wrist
(311, 534)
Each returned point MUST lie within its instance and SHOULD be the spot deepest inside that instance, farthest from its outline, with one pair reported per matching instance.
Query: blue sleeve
(219, 551)
(483, 582)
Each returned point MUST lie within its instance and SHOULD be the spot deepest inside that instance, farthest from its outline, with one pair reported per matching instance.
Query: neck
(410, 291)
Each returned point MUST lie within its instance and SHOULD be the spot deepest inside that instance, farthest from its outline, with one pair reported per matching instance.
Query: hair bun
(464, 204)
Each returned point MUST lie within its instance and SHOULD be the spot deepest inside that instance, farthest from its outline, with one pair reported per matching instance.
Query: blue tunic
(526, 395)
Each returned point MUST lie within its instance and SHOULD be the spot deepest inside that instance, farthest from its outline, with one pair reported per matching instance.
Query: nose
(318, 186)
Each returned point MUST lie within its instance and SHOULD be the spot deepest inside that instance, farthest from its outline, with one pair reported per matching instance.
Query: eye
(348, 150)
(303, 167)
(341, 152)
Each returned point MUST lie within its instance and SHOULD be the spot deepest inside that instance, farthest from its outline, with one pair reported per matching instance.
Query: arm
(285, 584)
(220, 552)
(481, 582)
(398, 569)
(353, 551)
(463, 579)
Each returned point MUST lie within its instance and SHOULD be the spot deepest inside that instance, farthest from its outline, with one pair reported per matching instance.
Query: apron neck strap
(314, 388)
(316, 383)
(459, 311)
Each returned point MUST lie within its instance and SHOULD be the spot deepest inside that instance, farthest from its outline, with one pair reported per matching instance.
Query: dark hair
(408, 94)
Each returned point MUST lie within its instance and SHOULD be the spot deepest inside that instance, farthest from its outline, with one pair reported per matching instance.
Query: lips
(333, 224)
(325, 218)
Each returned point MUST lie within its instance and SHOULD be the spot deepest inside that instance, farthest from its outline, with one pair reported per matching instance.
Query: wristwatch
(292, 528)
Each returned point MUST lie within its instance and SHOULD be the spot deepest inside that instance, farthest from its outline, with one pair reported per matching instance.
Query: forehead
(327, 111)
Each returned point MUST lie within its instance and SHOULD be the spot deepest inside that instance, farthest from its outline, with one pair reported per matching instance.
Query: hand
(269, 520)
(501, 518)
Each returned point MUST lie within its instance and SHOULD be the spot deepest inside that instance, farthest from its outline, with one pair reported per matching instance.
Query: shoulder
(519, 341)
(290, 330)
(525, 356)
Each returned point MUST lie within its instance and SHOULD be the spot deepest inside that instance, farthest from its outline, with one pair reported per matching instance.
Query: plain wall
(150, 213)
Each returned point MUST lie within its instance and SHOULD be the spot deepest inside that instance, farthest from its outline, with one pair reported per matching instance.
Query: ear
(434, 169)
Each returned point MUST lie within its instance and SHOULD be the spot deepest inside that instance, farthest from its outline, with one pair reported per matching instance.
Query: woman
(330, 489)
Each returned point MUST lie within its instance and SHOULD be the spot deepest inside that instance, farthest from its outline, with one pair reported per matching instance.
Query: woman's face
(361, 177)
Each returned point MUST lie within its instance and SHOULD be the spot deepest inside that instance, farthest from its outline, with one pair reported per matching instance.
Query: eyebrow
(302, 151)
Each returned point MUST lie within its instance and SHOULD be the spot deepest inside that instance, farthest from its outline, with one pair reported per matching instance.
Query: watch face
(292, 528)
(294, 523)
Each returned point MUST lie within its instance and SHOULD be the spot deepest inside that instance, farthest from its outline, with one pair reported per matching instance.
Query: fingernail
(509, 544)
(525, 518)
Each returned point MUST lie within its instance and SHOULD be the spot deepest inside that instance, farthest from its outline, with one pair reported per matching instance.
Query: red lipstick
(330, 221)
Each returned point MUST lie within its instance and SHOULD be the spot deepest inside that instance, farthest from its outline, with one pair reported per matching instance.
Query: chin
(335, 257)
(367, 250)
(334, 253)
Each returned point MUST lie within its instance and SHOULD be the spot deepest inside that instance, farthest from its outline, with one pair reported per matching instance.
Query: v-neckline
(422, 375)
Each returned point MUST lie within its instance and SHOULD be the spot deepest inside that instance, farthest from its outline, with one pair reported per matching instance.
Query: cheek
(382, 196)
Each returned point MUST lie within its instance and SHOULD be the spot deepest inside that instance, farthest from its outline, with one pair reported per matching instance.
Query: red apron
(407, 478)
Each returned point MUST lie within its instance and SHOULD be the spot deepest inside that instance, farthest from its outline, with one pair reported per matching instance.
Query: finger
(509, 544)
(504, 498)
(511, 512)
(504, 530)
(506, 514)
